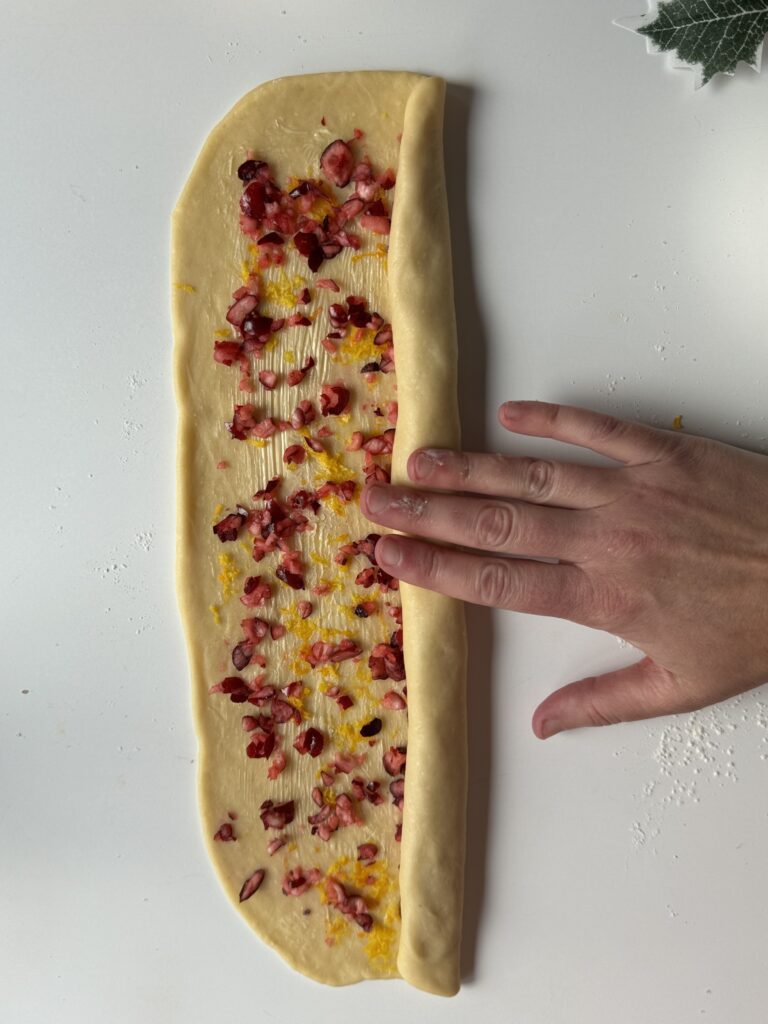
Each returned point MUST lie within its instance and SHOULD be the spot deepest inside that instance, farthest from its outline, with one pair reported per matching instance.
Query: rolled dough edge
(423, 323)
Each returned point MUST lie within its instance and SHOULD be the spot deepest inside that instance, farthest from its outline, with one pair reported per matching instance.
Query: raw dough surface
(281, 120)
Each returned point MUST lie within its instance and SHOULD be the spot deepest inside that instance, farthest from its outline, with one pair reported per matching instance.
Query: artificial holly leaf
(710, 35)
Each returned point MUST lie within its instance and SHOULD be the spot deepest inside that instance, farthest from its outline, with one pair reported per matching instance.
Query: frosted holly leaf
(709, 36)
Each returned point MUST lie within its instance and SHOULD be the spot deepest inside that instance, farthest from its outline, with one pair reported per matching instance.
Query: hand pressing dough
(413, 889)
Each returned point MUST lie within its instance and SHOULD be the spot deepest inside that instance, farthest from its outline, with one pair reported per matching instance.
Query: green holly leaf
(711, 36)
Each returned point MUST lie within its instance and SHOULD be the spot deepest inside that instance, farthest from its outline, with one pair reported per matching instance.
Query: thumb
(643, 690)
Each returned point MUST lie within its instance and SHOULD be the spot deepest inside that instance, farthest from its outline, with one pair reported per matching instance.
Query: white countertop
(616, 257)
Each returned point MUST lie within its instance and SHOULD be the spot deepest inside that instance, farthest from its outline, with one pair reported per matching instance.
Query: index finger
(627, 442)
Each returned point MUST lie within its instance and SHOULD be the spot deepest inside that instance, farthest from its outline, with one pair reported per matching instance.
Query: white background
(610, 235)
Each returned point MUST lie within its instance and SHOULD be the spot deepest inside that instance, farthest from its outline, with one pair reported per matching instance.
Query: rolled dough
(281, 122)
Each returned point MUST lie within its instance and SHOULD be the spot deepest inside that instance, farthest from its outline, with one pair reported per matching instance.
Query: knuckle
(606, 428)
(493, 585)
(462, 467)
(614, 609)
(495, 526)
(628, 542)
(538, 479)
(430, 562)
(593, 707)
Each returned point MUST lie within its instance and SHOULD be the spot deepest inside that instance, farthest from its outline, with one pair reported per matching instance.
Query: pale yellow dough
(281, 120)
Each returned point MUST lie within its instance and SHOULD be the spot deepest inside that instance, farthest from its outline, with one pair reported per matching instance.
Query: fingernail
(549, 727)
(512, 410)
(426, 461)
(390, 551)
(376, 499)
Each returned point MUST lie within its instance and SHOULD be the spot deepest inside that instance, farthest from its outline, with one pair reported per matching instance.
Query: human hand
(668, 551)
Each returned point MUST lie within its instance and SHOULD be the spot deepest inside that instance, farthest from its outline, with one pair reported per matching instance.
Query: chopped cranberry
(372, 728)
(366, 852)
(277, 765)
(296, 882)
(380, 444)
(329, 283)
(393, 701)
(227, 352)
(250, 169)
(225, 834)
(241, 655)
(271, 238)
(350, 209)
(334, 399)
(258, 328)
(304, 412)
(255, 593)
(268, 488)
(241, 308)
(323, 652)
(310, 742)
(255, 629)
(261, 745)
(295, 454)
(337, 314)
(295, 377)
(274, 845)
(292, 579)
(301, 190)
(394, 761)
(386, 662)
(366, 578)
(268, 379)
(303, 297)
(229, 527)
(383, 335)
(305, 609)
(397, 789)
(345, 702)
(337, 163)
(251, 884)
(283, 712)
(399, 833)
(347, 762)
(277, 815)
(252, 201)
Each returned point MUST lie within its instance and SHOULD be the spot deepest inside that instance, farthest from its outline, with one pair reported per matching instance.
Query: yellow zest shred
(222, 332)
(380, 253)
(190, 288)
(363, 349)
(334, 468)
(228, 575)
(256, 442)
(215, 612)
(379, 944)
(283, 290)
(318, 558)
(677, 423)
(345, 732)
(336, 505)
(289, 357)
(217, 513)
